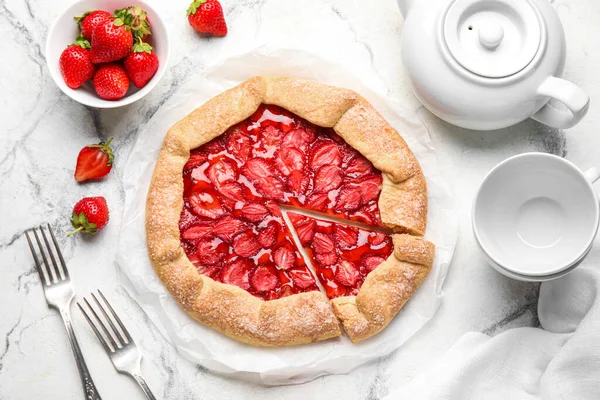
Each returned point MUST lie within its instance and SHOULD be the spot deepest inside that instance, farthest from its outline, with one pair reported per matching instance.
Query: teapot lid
(493, 38)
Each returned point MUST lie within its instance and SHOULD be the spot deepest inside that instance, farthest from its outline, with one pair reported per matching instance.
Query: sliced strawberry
(318, 201)
(264, 278)
(289, 159)
(286, 291)
(347, 274)
(328, 178)
(326, 259)
(271, 136)
(284, 258)
(206, 205)
(301, 277)
(298, 182)
(346, 236)
(238, 144)
(268, 235)
(257, 169)
(214, 146)
(222, 171)
(322, 243)
(232, 191)
(196, 160)
(186, 219)
(370, 187)
(245, 244)
(305, 232)
(348, 199)
(358, 166)
(325, 153)
(196, 232)
(371, 262)
(227, 227)
(254, 212)
(273, 208)
(362, 216)
(208, 252)
(237, 273)
(271, 187)
(298, 139)
(376, 239)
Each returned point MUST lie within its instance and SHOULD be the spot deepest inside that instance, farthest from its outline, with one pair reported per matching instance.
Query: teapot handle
(571, 95)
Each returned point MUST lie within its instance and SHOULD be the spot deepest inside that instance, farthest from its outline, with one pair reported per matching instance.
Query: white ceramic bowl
(536, 216)
(65, 30)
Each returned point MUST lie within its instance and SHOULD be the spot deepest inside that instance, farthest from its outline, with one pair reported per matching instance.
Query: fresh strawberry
(237, 273)
(76, 65)
(358, 166)
(94, 161)
(268, 235)
(328, 178)
(264, 279)
(141, 64)
(325, 153)
(227, 227)
(348, 199)
(136, 20)
(254, 212)
(371, 262)
(326, 259)
(347, 274)
(111, 81)
(245, 244)
(284, 258)
(302, 278)
(206, 205)
(196, 232)
(322, 243)
(305, 231)
(89, 20)
(206, 16)
(298, 182)
(111, 41)
(222, 171)
(289, 159)
(90, 214)
(346, 236)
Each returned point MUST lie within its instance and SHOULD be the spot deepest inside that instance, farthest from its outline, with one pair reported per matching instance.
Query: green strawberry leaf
(82, 42)
(194, 7)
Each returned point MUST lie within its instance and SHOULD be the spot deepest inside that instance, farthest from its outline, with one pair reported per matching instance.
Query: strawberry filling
(342, 255)
(233, 184)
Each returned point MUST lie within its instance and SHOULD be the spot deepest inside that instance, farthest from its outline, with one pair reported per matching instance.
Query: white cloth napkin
(559, 360)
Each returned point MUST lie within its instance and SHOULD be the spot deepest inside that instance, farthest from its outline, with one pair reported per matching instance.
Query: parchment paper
(213, 350)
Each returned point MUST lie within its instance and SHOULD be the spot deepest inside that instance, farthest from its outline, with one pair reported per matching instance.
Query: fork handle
(140, 380)
(86, 379)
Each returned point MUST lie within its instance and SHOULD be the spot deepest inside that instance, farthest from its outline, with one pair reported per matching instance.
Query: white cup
(536, 215)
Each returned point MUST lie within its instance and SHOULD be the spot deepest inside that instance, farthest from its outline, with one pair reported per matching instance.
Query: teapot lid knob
(491, 35)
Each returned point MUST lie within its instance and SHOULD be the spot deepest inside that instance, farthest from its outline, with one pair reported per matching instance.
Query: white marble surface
(42, 131)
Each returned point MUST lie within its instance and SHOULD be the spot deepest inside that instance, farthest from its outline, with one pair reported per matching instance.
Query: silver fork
(119, 345)
(59, 293)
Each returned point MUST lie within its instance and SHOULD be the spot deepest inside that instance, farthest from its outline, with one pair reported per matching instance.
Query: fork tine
(114, 328)
(98, 334)
(56, 268)
(103, 326)
(38, 265)
(112, 311)
(49, 270)
(59, 253)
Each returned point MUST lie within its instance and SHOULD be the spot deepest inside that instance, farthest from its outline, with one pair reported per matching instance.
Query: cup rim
(549, 272)
(101, 103)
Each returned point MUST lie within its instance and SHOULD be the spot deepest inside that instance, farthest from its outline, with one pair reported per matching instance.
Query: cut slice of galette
(214, 229)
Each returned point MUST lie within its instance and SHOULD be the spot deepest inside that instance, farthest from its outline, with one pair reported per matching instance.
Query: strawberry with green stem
(89, 20)
(206, 16)
(141, 64)
(90, 214)
(76, 65)
(94, 161)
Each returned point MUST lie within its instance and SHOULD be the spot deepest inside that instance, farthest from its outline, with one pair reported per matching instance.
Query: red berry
(111, 41)
(111, 81)
(76, 66)
(206, 16)
(141, 64)
(90, 214)
(89, 20)
(94, 161)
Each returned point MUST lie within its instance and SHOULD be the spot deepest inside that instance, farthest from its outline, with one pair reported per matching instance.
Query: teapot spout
(405, 6)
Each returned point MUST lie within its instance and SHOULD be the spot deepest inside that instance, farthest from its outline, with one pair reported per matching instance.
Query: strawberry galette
(227, 173)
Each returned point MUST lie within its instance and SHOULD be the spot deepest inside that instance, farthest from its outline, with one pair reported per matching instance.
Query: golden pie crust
(304, 317)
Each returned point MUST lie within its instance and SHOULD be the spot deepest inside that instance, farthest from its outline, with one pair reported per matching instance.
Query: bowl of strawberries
(107, 53)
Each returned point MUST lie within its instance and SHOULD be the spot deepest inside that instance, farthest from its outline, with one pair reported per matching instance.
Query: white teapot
(489, 64)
